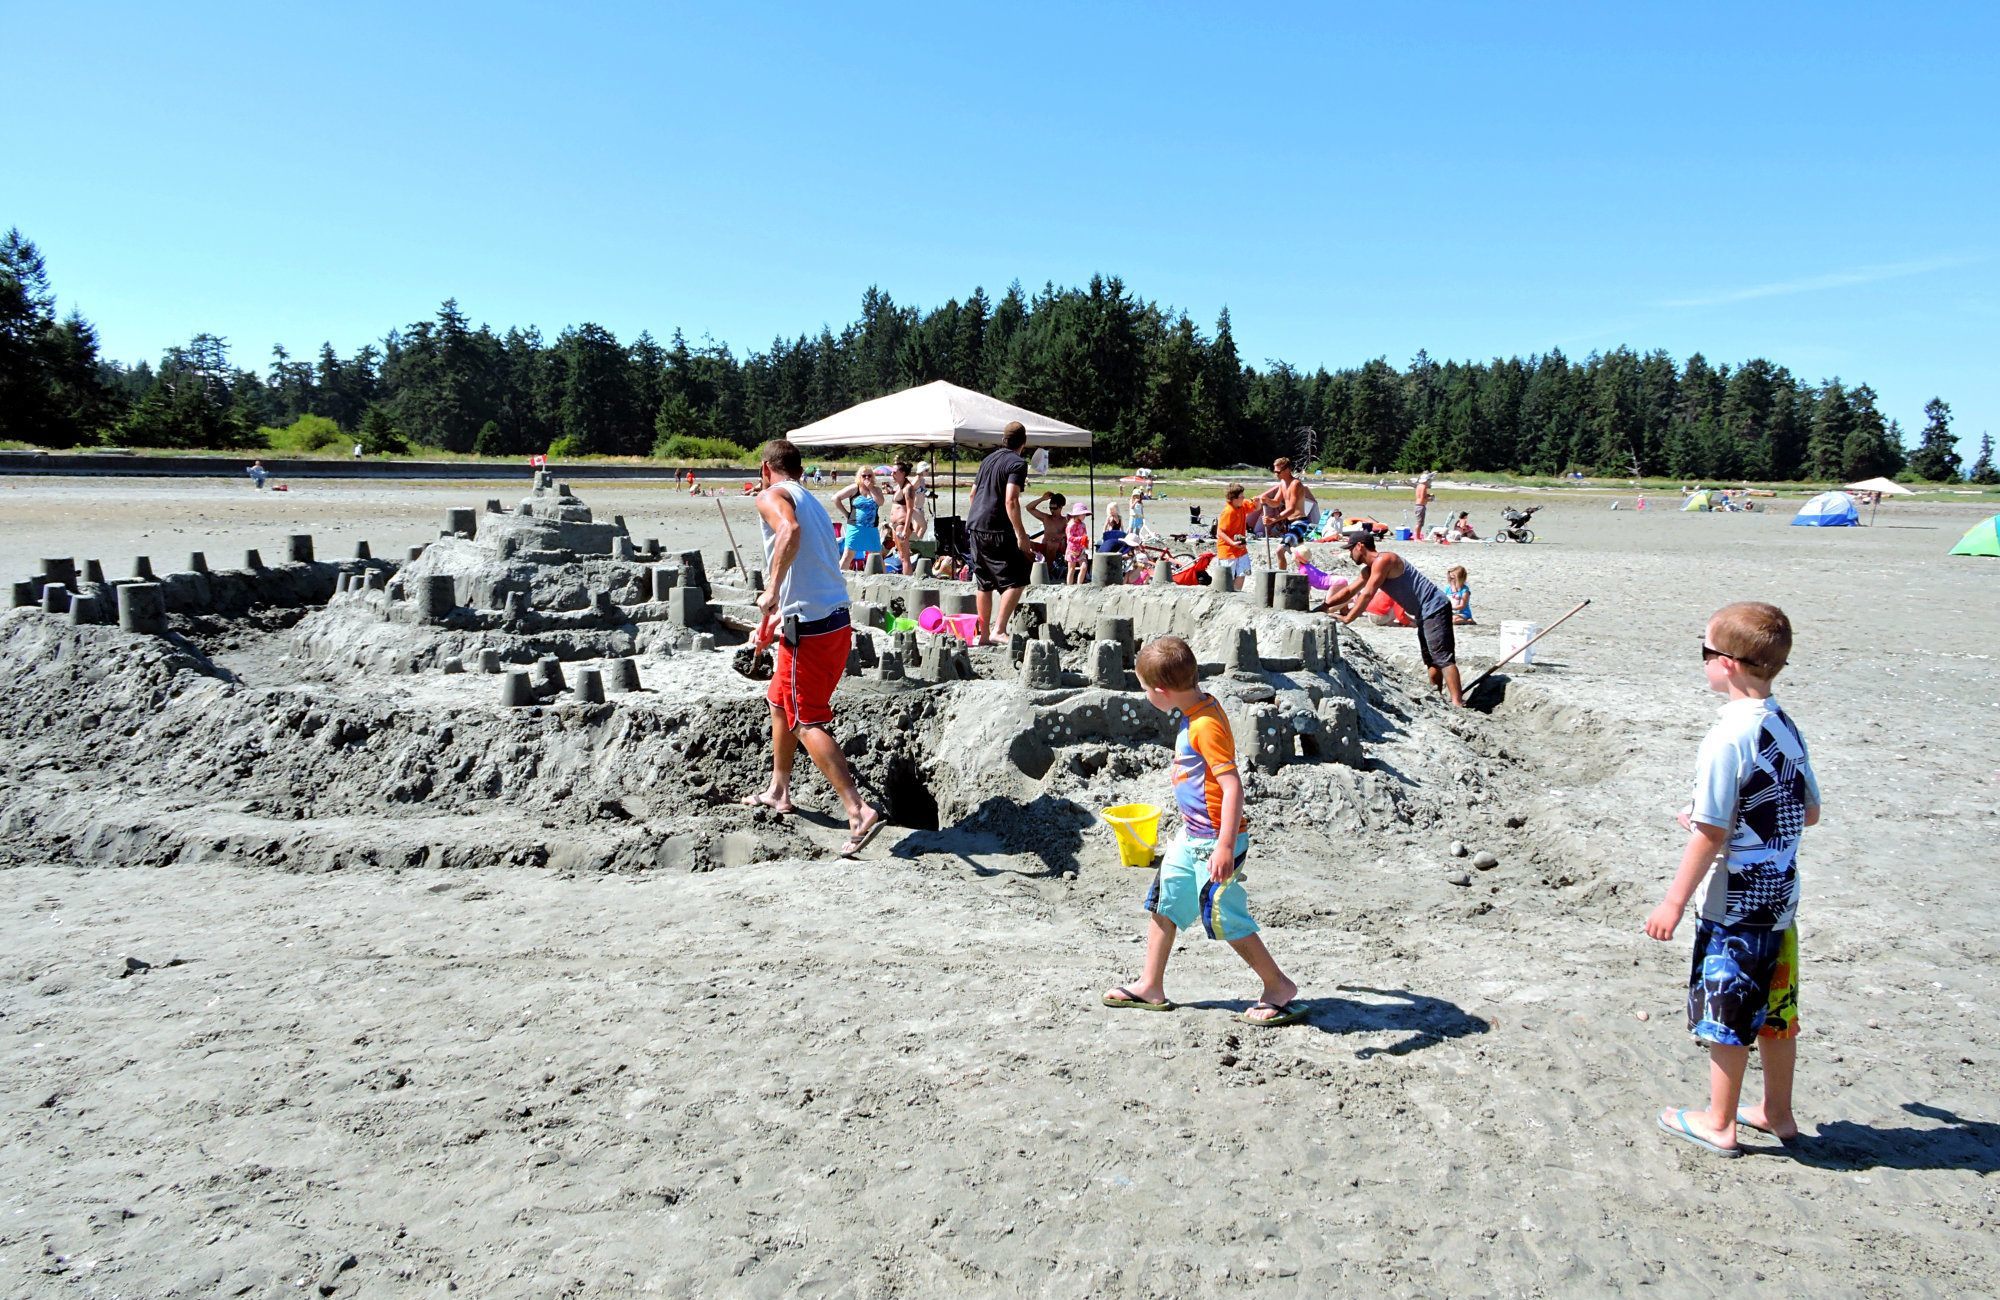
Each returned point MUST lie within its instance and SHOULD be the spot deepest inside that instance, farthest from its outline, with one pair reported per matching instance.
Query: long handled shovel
(753, 661)
(730, 533)
(1522, 648)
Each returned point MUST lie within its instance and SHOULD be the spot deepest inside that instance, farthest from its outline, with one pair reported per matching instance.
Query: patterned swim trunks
(1744, 983)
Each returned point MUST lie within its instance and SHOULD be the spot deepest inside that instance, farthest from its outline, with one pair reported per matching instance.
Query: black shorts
(1435, 640)
(998, 562)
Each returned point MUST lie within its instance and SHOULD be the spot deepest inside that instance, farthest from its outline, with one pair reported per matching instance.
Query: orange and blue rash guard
(1204, 750)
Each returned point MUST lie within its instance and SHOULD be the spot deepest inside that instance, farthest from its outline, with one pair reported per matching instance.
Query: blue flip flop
(1680, 1129)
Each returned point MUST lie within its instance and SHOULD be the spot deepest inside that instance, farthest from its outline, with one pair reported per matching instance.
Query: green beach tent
(1983, 539)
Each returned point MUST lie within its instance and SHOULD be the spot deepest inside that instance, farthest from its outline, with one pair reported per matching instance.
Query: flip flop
(1124, 997)
(859, 839)
(1287, 1013)
(1743, 1118)
(1681, 1130)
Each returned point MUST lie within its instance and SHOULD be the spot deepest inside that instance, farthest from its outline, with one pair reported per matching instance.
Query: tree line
(1157, 389)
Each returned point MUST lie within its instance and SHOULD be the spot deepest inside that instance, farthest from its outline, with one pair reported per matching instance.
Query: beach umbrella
(1828, 510)
(940, 414)
(1888, 487)
(1983, 538)
(1878, 488)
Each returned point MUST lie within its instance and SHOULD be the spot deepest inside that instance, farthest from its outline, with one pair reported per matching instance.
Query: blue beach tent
(1828, 510)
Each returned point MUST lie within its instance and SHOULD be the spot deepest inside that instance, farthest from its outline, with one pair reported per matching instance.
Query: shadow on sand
(1048, 829)
(1972, 1145)
(1423, 1021)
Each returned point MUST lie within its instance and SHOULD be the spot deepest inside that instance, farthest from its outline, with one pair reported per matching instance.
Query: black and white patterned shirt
(1753, 779)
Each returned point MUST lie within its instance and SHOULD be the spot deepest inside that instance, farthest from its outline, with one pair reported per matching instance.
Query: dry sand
(892, 1077)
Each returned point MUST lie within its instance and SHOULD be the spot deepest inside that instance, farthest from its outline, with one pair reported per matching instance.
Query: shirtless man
(1423, 501)
(1290, 509)
(1420, 598)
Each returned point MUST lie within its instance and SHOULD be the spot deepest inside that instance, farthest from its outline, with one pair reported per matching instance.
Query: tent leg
(1093, 486)
(954, 478)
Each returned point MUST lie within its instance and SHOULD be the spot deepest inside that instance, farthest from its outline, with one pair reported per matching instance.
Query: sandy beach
(892, 1077)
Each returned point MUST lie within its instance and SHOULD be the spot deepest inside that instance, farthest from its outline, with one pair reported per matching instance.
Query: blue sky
(1812, 183)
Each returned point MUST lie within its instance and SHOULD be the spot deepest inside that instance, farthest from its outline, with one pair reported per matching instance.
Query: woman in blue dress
(861, 502)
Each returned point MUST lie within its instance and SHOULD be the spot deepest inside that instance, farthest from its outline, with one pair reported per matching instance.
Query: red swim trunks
(803, 679)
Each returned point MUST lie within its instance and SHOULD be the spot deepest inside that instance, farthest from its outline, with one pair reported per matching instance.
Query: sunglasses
(1709, 652)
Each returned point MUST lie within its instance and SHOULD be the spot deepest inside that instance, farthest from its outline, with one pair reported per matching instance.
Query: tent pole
(954, 478)
(1093, 486)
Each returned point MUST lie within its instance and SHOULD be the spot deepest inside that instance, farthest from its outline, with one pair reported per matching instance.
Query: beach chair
(951, 537)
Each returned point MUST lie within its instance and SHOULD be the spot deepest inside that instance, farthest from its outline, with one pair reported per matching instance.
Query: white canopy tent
(939, 414)
(1879, 488)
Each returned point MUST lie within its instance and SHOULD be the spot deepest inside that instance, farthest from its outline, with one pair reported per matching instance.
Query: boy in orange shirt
(1201, 877)
(1232, 539)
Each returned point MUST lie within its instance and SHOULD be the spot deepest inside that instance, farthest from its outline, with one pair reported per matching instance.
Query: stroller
(1514, 526)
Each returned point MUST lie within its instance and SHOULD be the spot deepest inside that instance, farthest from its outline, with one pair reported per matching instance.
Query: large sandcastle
(535, 686)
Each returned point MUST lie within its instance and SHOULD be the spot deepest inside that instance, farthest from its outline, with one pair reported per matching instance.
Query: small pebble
(1874, 1024)
(1458, 878)
(1642, 1015)
(1485, 861)
(1458, 849)
(1516, 822)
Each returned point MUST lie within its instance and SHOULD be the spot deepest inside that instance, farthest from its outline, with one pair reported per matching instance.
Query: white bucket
(1515, 633)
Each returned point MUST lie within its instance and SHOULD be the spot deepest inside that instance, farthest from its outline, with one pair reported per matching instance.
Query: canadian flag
(538, 462)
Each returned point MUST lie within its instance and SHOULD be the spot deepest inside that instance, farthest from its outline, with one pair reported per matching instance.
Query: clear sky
(1813, 183)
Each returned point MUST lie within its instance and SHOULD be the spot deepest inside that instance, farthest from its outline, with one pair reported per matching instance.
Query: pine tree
(1936, 458)
(1982, 469)
(51, 391)
(378, 435)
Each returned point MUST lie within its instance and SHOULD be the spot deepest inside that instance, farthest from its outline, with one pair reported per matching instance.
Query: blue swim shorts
(1744, 982)
(1183, 893)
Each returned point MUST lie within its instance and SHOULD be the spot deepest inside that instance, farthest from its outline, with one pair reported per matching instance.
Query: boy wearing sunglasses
(1754, 795)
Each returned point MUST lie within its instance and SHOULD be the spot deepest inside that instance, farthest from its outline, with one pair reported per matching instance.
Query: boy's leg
(1726, 1065)
(1780, 1058)
(1777, 1045)
(1151, 986)
(1278, 990)
(1717, 1124)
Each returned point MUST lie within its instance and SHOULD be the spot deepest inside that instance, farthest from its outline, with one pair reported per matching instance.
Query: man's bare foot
(1756, 1117)
(777, 803)
(1274, 997)
(872, 820)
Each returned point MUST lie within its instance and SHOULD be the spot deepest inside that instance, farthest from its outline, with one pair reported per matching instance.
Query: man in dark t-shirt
(999, 539)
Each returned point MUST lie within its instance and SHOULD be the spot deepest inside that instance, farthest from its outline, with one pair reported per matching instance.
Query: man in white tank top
(804, 608)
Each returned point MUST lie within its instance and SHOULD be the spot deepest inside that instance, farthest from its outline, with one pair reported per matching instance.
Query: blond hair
(1456, 572)
(1754, 634)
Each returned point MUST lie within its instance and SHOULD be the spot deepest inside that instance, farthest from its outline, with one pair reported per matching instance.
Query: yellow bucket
(1137, 826)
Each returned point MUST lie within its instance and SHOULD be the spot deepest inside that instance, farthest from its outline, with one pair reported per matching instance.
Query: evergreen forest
(1158, 389)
